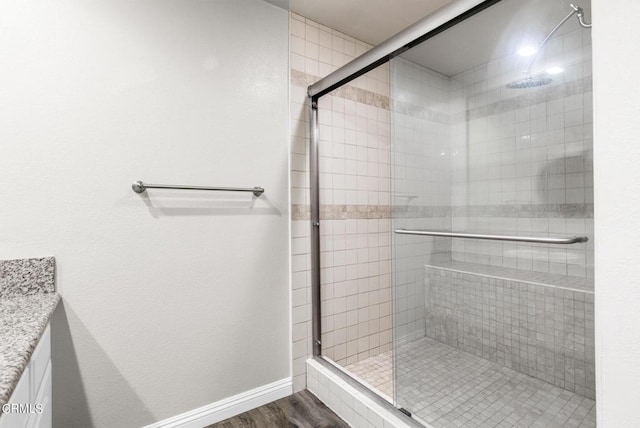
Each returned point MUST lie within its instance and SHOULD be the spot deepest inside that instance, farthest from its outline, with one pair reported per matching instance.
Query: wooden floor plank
(300, 410)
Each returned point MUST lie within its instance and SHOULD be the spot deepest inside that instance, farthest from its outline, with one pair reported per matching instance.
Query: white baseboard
(223, 409)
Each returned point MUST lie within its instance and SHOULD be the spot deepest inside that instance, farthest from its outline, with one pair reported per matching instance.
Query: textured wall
(171, 300)
(617, 206)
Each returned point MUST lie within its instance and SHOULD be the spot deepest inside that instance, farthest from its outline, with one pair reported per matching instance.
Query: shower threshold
(447, 387)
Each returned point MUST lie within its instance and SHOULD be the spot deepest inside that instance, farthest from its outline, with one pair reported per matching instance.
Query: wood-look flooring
(300, 410)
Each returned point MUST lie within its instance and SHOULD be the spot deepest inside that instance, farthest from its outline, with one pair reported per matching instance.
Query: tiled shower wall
(355, 241)
(522, 159)
(355, 213)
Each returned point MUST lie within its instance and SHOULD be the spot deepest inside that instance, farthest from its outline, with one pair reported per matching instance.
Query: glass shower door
(491, 135)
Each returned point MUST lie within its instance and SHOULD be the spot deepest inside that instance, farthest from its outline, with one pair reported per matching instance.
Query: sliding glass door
(491, 137)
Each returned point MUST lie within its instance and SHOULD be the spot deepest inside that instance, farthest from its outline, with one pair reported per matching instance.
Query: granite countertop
(27, 301)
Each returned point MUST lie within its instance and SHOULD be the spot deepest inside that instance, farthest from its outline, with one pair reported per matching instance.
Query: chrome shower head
(533, 82)
(529, 82)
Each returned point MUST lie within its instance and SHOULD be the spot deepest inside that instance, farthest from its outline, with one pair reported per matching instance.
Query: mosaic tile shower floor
(447, 387)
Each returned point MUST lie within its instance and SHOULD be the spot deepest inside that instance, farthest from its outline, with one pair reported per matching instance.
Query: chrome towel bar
(537, 240)
(140, 187)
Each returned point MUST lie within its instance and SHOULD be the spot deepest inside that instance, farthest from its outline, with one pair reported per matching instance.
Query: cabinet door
(34, 387)
(43, 397)
(39, 363)
(20, 395)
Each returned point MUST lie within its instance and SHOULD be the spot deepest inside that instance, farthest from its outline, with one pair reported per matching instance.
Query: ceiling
(496, 32)
(493, 33)
(371, 21)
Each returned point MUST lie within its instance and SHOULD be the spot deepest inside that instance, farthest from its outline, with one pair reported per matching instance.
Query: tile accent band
(348, 212)
(348, 92)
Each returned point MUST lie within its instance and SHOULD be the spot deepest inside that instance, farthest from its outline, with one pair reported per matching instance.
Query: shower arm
(580, 14)
(577, 10)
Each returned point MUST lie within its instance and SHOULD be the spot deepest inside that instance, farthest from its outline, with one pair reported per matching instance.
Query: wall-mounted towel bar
(140, 187)
(537, 240)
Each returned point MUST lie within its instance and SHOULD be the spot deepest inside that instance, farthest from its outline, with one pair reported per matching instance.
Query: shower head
(533, 82)
(529, 82)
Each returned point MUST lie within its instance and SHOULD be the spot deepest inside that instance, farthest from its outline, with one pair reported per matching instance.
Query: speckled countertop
(27, 301)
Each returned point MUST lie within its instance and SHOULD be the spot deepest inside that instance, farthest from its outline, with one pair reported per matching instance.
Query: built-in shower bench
(544, 279)
(537, 323)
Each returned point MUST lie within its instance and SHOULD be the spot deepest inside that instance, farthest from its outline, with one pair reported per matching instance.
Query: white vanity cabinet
(30, 403)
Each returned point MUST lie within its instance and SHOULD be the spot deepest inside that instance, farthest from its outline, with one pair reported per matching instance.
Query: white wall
(617, 209)
(172, 300)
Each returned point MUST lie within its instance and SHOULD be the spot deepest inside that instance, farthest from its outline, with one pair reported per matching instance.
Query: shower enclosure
(452, 217)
